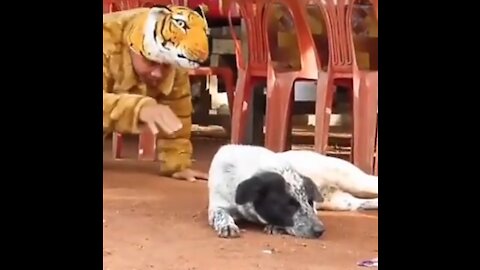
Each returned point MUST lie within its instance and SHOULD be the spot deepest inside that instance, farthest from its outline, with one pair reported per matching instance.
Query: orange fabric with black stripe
(124, 94)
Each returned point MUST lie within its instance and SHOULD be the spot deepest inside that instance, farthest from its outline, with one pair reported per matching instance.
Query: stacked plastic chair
(252, 71)
(344, 70)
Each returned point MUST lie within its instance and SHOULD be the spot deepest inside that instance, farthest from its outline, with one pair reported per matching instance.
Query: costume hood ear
(202, 10)
(161, 9)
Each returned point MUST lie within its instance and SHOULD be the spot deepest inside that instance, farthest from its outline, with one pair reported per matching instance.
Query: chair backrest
(343, 42)
(375, 6)
(251, 12)
(151, 3)
(309, 59)
(338, 14)
(118, 5)
(110, 6)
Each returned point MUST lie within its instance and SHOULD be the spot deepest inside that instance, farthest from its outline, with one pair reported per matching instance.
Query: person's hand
(190, 175)
(159, 115)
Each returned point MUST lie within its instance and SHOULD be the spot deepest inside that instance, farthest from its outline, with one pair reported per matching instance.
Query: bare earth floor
(152, 222)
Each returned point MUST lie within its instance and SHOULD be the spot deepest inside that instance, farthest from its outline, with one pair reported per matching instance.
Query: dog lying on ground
(281, 190)
(343, 186)
(260, 186)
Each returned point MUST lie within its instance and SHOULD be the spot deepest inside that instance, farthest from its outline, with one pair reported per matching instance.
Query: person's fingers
(170, 121)
(178, 122)
(184, 175)
(191, 178)
(173, 119)
(166, 119)
(177, 125)
(161, 123)
(153, 127)
(172, 126)
(200, 175)
(174, 122)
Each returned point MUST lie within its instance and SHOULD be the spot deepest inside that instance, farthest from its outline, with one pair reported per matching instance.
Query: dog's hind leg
(371, 204)
(338, 200)
(223, 223)
(365, 186)
(358, 183)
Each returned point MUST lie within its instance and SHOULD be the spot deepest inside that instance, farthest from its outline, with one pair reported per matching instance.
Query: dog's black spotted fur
(268, 193)
(252, 184)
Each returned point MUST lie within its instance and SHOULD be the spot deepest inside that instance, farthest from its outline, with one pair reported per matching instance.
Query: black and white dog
(258, 185)
(343, 186)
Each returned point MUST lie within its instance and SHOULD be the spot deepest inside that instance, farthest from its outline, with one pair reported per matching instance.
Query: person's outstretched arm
(121, 111)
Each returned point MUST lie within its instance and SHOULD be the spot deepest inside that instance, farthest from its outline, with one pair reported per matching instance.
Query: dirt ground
(152, 222)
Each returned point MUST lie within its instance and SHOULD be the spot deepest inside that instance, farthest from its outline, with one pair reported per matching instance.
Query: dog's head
(284, 199)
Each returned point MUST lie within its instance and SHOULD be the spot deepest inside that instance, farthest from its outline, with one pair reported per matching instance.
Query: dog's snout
(318, 231)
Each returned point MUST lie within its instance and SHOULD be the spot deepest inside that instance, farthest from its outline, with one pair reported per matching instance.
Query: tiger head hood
(171, 34)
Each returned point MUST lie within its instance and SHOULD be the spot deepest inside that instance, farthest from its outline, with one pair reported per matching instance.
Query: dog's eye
(310, 202)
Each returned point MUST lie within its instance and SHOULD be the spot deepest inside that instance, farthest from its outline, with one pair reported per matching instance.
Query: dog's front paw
(228, 231)
(272, 229)
(224, 224)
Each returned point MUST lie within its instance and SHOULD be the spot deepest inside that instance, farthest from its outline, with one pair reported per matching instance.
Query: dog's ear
(312, 189)
(250, 189)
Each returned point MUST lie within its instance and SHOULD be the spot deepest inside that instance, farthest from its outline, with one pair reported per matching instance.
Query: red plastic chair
(110, 6)
(151, 3)
(376, 155)
(224, 73)
(344, 70)
(254, 70)
(280, 84)
(375, 5)
(118, 5)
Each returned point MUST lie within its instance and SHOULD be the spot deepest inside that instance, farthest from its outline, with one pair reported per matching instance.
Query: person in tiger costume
(146, 56)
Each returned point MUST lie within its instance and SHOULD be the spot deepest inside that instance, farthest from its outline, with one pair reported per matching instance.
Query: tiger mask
(174, 35)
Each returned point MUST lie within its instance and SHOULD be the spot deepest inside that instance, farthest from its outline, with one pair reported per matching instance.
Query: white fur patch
(351, 186)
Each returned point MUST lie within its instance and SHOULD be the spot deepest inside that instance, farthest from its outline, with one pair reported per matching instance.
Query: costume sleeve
(120, 111)
(175, 151)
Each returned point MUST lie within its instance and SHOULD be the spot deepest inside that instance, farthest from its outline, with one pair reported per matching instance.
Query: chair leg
(365, 104)
(279, 114)
(323, 111)
(227, 78)
(240, 109)
(117, 145)
(147, 146)
(376, 155)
